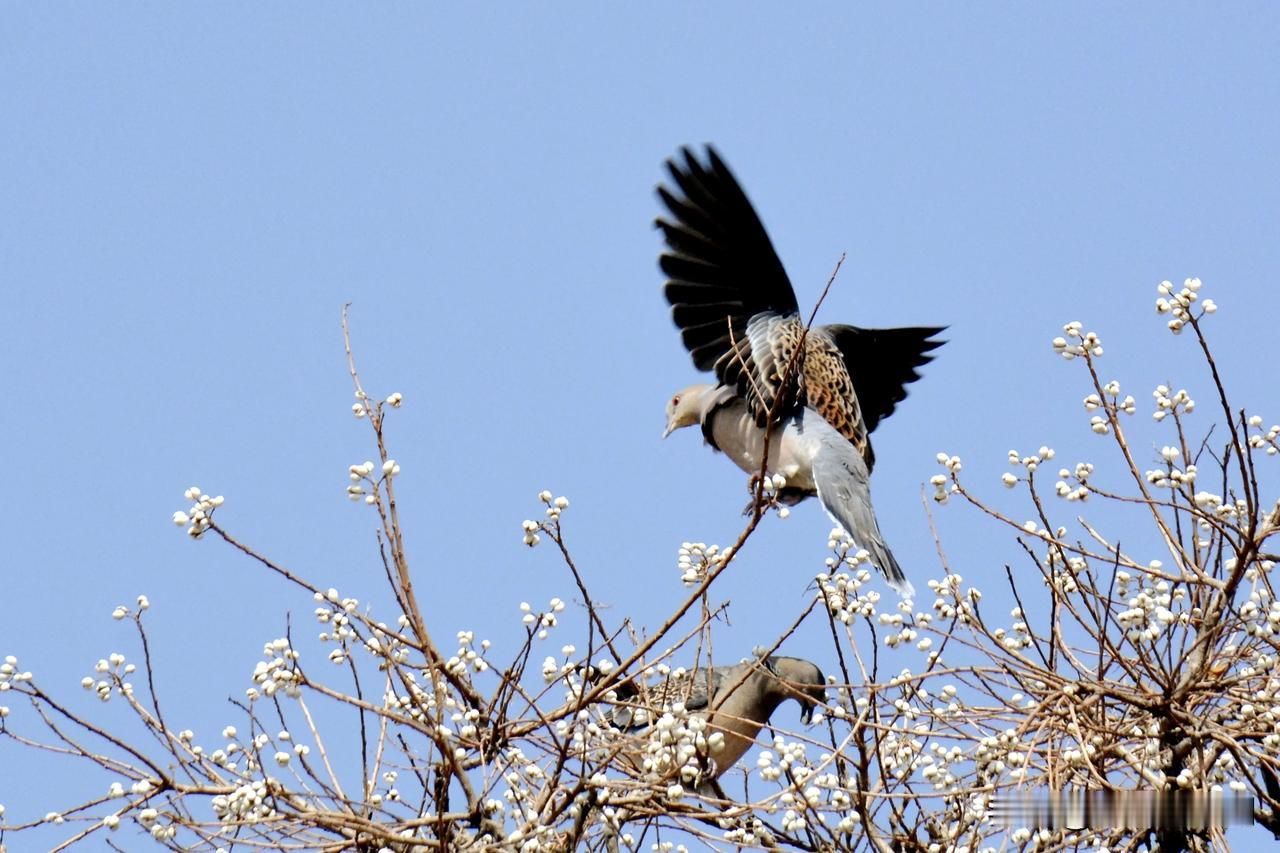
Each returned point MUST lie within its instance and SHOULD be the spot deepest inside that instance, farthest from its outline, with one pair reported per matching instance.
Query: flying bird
(817, 393)
(736, 701)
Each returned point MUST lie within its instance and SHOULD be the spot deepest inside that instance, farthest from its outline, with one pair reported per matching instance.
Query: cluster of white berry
(198, 518)
(1179, 304)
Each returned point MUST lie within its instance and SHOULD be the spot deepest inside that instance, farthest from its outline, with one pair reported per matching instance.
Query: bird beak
(806, 712)
(666, 432)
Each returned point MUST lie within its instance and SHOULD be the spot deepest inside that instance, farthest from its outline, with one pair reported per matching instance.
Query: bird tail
(841, 478)
(887, 564)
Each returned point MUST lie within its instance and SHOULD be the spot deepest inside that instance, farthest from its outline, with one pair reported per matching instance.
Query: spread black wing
(882, 362)
(721, 266)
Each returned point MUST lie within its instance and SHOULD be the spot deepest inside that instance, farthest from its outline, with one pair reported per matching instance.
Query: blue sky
(190, 194)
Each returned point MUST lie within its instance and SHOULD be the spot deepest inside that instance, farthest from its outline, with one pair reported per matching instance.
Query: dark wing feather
(721, 266)
(881, 363)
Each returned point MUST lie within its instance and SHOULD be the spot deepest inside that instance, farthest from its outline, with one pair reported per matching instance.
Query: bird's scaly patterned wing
(829, 390)
(648, 703)
(881, 363)
(773, 379)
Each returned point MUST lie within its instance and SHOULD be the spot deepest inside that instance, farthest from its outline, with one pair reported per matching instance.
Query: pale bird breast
(742, 440)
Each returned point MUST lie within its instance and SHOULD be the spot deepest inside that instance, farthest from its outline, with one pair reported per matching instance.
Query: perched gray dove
(817, 393)
(735, 702)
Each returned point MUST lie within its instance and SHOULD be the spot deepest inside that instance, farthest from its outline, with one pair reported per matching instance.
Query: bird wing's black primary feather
(882, 362)
(721, 266)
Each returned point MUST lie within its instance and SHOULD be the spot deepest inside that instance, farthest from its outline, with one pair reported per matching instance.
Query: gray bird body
(814, 459)
(817, 391)
(729, 427)
(737, 701)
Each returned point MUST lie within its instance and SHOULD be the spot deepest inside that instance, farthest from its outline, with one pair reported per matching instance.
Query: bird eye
(675, 401)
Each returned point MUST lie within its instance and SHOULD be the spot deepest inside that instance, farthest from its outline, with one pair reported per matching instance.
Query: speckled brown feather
(829, 390)
(645, 703)
(689, 687)
(757, 366)
(758, 363)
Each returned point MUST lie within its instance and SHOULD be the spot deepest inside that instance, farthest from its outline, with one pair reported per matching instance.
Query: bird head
(684, 408)
(802, 680)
